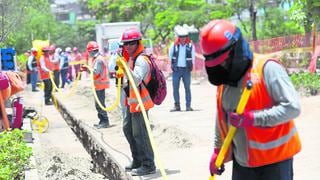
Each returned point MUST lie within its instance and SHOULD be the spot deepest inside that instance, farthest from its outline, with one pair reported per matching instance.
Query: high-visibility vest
(56, 65)
(101, 81)
(266, 145)
(145, 96)
(43, 74)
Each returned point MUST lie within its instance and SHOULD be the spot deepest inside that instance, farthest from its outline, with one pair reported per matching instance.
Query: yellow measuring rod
(232, 130)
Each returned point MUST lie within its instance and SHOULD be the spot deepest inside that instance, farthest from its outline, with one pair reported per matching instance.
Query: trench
(103, 162)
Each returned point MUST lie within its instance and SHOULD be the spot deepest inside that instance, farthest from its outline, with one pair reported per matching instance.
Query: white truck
(109, 34)
(108, 37)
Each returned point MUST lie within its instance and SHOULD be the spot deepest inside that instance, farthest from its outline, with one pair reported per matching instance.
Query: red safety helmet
(45, 49)
(75, 49)
(92, 45)
(131, 34)
(52, 47)
(216, 40)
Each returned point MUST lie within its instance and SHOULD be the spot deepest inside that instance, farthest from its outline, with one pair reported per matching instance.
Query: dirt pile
(54, 164)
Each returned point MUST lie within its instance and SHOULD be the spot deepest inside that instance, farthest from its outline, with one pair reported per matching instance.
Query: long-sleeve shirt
(286, 106)
(140, 70)
(182, 54)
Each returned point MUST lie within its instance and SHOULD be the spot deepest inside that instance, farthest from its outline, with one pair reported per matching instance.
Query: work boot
(48, 103)
(189, 109)
(133, 165)
(141, 171)
(103, 125)
(176, 108)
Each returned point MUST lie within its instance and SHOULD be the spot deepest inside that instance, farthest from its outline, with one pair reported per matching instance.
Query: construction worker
(266, 138)
(64, 68)
(33, 68)
(67, 54)
(45, 69)
(182, 56)
(101, 82)
(134, 126)
(76, 56)
(55, 60)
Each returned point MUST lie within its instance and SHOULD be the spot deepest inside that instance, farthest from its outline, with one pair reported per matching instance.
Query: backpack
(157, 86)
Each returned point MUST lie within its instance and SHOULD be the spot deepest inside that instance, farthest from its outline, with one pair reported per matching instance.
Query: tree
(8, 19)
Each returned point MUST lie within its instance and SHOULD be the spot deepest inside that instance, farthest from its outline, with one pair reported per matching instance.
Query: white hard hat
(182, 32)
(33, 49)
(68, 49)
(58, 50)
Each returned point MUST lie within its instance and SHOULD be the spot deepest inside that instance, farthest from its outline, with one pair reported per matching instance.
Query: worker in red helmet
(45, 69)
(266, 138)
(101, 82)
(76, 56)
(55, 60)
(134, 126)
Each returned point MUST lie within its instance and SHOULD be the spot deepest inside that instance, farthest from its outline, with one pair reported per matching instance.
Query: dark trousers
(278, 171)
(102, 114)
(136, 134)
(64, 73)
(47, 90)
(185, 75)
(56, 74)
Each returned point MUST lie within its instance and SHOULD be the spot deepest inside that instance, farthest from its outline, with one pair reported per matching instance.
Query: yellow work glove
(119, 72)
(119, 64)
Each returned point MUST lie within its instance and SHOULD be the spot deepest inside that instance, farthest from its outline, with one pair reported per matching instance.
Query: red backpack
(157, 86)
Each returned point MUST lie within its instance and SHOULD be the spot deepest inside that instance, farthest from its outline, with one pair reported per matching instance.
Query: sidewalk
(185, 139)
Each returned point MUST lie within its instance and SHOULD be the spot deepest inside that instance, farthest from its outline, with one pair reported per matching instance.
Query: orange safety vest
(101, 81)
(55, 66)
(266, 145)
(144, 93)
(43, 74)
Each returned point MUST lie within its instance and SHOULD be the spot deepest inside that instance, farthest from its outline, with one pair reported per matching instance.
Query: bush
(309, 82)
(14, 154)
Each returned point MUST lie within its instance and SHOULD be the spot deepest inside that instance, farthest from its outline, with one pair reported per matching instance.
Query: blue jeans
(64, 73)
(136, 134)
(102, 114)
(185, 74)
(278, 171)
(34, 79)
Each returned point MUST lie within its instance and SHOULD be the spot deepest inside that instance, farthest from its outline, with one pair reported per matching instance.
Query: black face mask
(217, 75)
(230, 73)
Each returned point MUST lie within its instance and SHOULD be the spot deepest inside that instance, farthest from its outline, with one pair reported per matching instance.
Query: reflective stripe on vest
(175, 55)
(145, 96)
(101, 81)
(274, 143)
(43, 74)
(266, 145)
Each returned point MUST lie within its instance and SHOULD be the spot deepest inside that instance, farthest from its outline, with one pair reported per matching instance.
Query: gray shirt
(286, 106)
(140, 70)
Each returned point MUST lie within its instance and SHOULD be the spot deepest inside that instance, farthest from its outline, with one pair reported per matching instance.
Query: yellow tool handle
(232, 130)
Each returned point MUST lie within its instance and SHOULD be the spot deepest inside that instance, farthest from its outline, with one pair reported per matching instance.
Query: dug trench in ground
(57, 153)
(183, 139)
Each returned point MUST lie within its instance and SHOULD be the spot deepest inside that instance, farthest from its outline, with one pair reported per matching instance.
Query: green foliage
(14, 154)
(306, 81)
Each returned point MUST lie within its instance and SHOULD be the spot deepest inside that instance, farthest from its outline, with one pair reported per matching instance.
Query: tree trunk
(253, 16)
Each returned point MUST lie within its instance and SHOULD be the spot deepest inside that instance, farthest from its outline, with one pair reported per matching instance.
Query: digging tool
(232, 130)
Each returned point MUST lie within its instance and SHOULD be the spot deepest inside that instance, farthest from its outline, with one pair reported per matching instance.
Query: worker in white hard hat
(182, 56)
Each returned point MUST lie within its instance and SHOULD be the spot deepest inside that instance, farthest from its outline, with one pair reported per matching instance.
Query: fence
(260, 46)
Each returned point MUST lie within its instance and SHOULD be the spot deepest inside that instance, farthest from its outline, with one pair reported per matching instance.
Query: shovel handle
(232, 130)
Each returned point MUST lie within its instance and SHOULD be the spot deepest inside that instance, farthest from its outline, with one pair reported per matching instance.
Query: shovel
(232, 130)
